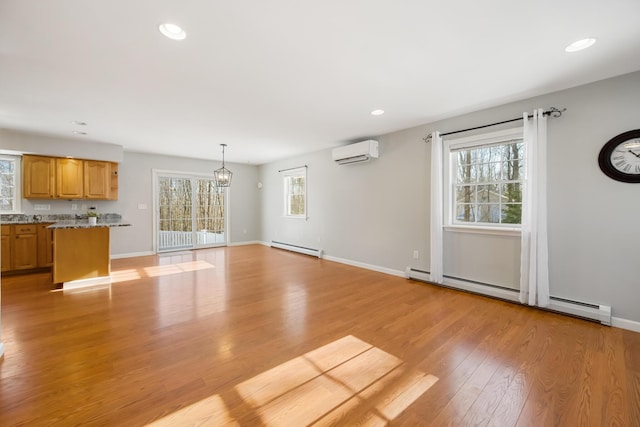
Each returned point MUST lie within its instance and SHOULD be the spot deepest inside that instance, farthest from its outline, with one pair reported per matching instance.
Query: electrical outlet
(416, 254)
(38, 207)
(74, 207)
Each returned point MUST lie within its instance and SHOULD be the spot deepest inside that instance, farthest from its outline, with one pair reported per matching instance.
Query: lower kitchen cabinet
(26, 247)
(7, 254)
(45, 245)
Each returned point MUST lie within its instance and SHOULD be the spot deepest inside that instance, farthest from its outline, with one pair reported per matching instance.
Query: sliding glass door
(190, 212)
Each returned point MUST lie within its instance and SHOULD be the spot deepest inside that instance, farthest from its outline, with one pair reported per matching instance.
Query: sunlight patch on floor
(124, 275)
(347, 379)
(159, 270)
(208, 412)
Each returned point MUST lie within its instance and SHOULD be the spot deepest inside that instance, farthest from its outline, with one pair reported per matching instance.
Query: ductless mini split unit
(356, 153)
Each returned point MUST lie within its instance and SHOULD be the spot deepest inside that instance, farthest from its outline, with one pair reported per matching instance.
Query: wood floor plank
(256, 336)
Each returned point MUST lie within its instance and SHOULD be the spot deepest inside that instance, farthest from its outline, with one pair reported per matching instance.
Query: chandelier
(223, 175)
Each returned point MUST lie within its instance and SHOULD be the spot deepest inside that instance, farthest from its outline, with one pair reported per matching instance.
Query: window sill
(498, 231)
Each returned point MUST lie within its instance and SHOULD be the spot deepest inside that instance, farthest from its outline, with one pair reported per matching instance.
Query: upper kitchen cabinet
(39, 177)
(97, 179)
(63, 178)
(69, 178)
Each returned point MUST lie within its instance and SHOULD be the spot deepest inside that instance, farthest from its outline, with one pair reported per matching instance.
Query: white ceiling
(277, 78)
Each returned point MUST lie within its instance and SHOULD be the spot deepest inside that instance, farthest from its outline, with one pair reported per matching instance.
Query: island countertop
(83, 223)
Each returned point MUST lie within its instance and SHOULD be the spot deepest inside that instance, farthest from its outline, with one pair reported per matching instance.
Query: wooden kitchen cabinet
(38, 177)
(97, 179)
(25, 247)
(45, 245)
(113, 193)
(7, 253)
(69, 178)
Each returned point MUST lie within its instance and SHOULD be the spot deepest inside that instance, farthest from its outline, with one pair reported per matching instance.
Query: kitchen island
(81, 252)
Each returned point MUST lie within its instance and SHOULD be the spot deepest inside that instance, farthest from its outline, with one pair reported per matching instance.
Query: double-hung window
(295, 193)
(486, 175)
(9, 184)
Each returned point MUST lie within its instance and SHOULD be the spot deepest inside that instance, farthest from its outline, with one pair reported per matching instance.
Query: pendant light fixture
(223, 175)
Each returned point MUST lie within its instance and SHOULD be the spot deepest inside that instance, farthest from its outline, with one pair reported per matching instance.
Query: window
(486, 174)
(9, 184)
(295, 193)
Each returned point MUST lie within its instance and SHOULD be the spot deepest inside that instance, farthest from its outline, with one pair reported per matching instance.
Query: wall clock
(620, 157)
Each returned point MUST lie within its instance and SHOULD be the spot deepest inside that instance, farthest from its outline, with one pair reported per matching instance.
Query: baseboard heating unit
(596, 312)
(296, 248)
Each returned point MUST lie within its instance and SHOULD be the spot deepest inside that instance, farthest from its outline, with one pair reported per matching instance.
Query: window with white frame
(295, 193)
(9, 184)
(486, 174)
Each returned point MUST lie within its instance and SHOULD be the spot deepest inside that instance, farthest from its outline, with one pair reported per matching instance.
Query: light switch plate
(40, 207)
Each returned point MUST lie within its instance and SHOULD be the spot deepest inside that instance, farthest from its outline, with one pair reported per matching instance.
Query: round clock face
(620, 157)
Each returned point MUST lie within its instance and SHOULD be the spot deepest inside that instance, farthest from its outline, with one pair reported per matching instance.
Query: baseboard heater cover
(295, 248)
(597, 312)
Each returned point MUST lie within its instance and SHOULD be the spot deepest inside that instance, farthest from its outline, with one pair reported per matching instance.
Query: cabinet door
(25, 247)
(69, 179)
(6, 248)
(97, 179)
(45, 245)
(38, 177)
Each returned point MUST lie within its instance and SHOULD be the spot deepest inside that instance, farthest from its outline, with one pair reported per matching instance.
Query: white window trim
(452, 145)
(17, 197)
(286, 174)
(155, 174)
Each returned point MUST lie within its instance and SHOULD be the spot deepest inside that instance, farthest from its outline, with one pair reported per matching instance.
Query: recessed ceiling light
(377, 112)
(579, 45)
(172, 31)
(79, 123)
(79, 133)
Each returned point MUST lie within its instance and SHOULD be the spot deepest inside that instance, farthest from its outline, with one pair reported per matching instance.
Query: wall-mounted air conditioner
(356, 153)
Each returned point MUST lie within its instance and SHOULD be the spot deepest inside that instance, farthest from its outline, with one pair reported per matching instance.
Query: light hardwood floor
(257, 336)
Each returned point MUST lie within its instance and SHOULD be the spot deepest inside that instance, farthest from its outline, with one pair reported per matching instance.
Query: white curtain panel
(437, 192)
(534, 256)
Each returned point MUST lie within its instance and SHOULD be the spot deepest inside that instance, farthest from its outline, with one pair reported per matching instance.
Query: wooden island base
(80, 253)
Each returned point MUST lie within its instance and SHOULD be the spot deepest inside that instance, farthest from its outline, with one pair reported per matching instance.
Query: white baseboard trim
(94, 281)
(365, 266)
(132, 255)
(249, 242)
(1, 349)
(630, 325)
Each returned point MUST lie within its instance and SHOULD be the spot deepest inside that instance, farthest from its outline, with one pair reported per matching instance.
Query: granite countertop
(65, 220)
(83, 223)
(29, 221)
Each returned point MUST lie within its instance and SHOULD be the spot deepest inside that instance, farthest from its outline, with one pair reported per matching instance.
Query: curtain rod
(553, 112)
(290, 169)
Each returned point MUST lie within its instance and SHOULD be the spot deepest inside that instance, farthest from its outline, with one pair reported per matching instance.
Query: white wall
(377, 213)
(354, 210)
(136, 188)
(45, 145)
